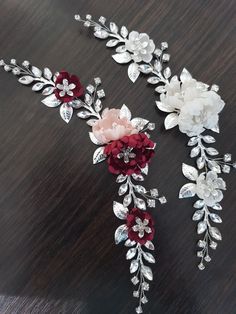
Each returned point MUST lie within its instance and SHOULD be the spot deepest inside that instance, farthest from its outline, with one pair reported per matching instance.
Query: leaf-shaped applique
(119, 210)
(121, 234)
(188, 190)
(133, 71)
(171, 121)
(123, 57)
(66, 112)
(98, 155)
(51, 101)
(189, 172)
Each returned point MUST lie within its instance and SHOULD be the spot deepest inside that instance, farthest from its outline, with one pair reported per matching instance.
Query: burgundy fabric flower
(140, 226)
(68, 87)
(129, 154)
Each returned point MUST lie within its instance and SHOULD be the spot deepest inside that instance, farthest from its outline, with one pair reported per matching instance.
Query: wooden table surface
(56, 219)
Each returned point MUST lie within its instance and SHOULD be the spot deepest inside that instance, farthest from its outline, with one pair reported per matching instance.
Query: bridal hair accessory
(124, 142)
(192, 106)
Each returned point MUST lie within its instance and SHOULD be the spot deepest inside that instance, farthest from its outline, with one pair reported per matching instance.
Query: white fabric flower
(196, 107)
(209, 188)
(141, 46)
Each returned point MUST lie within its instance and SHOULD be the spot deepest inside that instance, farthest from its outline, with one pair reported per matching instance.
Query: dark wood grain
(56, 220)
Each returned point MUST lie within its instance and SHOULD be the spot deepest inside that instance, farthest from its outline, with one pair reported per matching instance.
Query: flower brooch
(192, 106)
(124, 142)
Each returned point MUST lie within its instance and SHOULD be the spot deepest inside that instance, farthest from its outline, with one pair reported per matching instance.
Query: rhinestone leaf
(189, 172)
(98, 155)
(212, 151)
(129, 243)
(125, 112)
(36, 71)
(149, 245)
(51, 101)
(101, 33)
(48, 90)
(147, 272)
(127, 200)
(215, 233)
(201, 227)
(193, 141)
(145, 68)
(77, 103)
(149, 257)
(217, 206)
(137, 177)
(66, 112)
(88, 99)
(121, 49)
(131, 253)
(121, 178)
(112, 43)
(160, 89)
(157, 66)
(195, 151)
(26, 80)
(198, 215)
(133, 71)
(123, 57)
(121, 234)
(83, 114)
(153, 80)
(198, 204)
(171, 121)
(215, 218)
(167, 72)
(214, 166)
(208, 139)
(139, 123)
(187, 190)
(134, 266)
(94, 139)
(114, 28)
(47, 73)
(140, 203)
(140, 189)
(201, 162)
(163, 107)
(38, 86)
(124, 32)
(119, 210)
(123, 188)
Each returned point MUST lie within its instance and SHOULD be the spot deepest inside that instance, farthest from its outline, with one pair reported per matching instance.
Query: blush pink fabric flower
(111, 127)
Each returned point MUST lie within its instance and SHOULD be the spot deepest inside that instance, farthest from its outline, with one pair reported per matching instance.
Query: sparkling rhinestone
(135, 280)
(87, 24)
(207, 258)
(13, 61)
(77, 17)
(213, 245)
(151, 203)
(226, 169)
(151, 126)
(154, 192)
(90, 88)
(164, 45)
(16, 71)
(26, 64)
(139, 310)
(162, 200)
(199, 254)
(166, 57)
(227, 157)
(215, 88)
(158, 52)
(201, 266)
(101, 93)
(201, 243)
(88, 17)
(97, 80)
(102, 20)
(7, 68)
(136, 294)
(2, 63)
(145, 286)
(144, 300)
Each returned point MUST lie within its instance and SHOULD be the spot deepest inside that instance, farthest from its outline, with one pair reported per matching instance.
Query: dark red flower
(68, 87)
(129, 154)
(140, 226)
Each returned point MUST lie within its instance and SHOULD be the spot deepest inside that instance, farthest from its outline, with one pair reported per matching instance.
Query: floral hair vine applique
(124, 143)
(192, 106)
